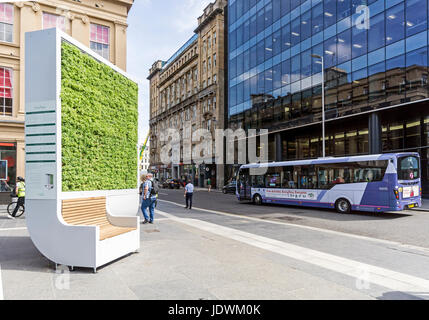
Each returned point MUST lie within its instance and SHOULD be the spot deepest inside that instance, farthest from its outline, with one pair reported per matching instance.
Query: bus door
(244, 184)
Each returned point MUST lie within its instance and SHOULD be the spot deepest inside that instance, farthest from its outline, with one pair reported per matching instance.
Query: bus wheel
(257, 199)
(343, 206)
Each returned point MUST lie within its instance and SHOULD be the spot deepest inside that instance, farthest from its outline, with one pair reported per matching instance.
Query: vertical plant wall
(99, 124)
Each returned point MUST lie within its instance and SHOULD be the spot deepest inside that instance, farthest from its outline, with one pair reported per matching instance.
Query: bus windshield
(408, 168)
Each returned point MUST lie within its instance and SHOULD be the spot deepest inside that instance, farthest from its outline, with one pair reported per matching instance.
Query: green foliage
(99, 125)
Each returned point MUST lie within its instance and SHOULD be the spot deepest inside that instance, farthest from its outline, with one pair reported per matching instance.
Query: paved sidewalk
(175, 261)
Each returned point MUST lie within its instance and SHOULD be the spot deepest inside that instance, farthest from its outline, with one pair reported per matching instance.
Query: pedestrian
(4, 186)
(209, 184)
(149, 195)
(20, 191)
(189, 192)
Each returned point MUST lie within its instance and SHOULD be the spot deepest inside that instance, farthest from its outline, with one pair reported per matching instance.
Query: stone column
(374, 133)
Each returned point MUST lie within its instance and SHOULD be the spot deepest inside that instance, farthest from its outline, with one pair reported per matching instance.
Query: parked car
(171, 184)
(230, 187)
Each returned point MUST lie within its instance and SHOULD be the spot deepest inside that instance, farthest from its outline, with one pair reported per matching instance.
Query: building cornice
(209, 19)
(79, 10)
(178, 70)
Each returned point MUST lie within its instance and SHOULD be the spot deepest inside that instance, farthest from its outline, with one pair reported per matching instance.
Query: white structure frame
(75, 246)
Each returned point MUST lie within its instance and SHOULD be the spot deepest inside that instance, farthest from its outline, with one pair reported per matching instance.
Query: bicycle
(11, 207)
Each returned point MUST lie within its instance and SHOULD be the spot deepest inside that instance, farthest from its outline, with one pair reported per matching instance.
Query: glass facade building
(376, 75)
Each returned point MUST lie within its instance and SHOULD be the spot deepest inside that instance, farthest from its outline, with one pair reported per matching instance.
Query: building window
(194, 112)
(53, 21)
(214, 60)
(214, 40)
(214, 78)
(8, 153)
(5, 92)
(6, 22)
(99, 41)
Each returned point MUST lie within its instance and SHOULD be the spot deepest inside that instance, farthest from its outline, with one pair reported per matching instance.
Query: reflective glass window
(285, 6)
(239, 9)
(240, 64)
(260, 54)
(268, 14)
(286, 72)
(306, 60)
(294, 4)
(260, 23)
(233, 12)
(306, 25)
(330, 52)
(269, 80)
(317, 19)
(316, 62)
(268, 47)
(376, 36)
(277, 76)
(276, 10)
(376, 82)
(240, 31)
(277, 42)
(344, 46)
(359, 39)
(246, 61)
(330, 12)
(295, 68)
(395, 78)
(417, 74)
(252, 26)
(261, 83)
(286, 41)
(233, 40)
(240, 93)
(246, 31)
(253, 59)
(296, 31)
(343, 9)
(395, 23)
(416, 16)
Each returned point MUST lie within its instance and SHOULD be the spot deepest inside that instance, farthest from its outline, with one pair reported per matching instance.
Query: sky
(156, 30)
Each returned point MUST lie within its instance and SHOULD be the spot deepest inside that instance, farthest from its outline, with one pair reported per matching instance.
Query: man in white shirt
(189, 192)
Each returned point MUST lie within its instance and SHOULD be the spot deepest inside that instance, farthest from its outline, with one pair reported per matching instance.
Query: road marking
(386, 278)
(13, 229)
(1, 287)
(355, 236)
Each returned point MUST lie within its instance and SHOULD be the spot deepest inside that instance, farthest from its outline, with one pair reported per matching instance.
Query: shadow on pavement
(19, 254)
(329, 214)
(398, 295)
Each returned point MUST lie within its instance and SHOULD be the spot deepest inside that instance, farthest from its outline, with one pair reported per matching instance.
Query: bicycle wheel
(11, 208)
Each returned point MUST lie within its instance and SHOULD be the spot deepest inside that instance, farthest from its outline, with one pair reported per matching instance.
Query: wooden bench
(91, 212)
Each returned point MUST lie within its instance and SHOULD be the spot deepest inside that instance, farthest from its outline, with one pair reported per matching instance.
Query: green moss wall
(99, 125)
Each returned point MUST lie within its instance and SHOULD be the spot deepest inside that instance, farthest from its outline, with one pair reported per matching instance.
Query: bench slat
(92, 212)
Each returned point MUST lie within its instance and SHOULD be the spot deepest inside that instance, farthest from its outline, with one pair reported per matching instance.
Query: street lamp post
(323, 101)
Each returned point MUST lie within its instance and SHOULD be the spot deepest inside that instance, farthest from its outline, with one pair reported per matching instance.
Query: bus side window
(322, 178)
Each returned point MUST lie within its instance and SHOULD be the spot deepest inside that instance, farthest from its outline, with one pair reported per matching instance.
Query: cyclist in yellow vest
(20, 191)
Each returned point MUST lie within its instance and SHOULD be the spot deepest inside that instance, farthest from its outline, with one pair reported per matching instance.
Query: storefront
(8, 170)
